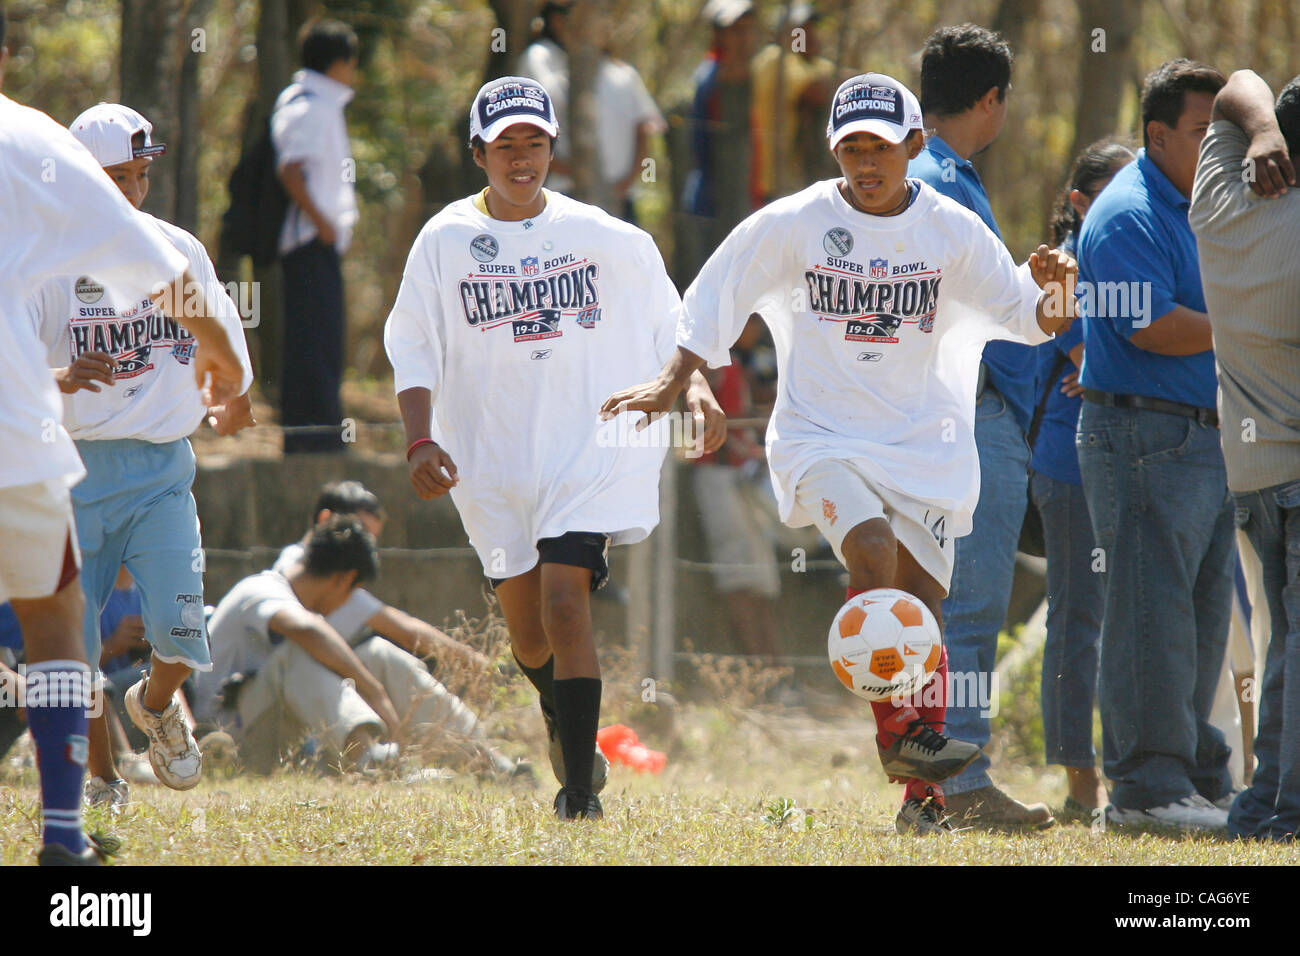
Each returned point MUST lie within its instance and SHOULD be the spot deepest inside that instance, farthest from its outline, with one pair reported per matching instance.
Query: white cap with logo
(509, 100)
(873, 103)
(107, 129)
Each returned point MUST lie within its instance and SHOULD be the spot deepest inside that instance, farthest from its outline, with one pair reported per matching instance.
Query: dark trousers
(315, 328)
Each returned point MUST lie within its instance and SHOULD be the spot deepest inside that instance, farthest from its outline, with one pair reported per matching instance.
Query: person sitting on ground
(281, 672)
(362, 615)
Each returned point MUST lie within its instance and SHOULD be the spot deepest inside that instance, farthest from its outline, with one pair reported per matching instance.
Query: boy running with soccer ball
(519, 310)
(880, 294)
(123, 365)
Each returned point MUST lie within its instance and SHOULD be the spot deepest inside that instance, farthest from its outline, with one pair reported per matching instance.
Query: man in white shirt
(626, 116)
(314, 162)
(122, 365)
(880, 294)
(69, 212)
(519, 309)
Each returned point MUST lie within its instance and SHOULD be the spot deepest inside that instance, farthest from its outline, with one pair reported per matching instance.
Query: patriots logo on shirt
(529, 266)
(544, 326)
(879, 268)
(133, 363)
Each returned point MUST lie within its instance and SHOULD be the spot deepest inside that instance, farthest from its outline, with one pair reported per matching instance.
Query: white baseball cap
(107, 129)
(873, 103)
(723, 13)
(509, 100)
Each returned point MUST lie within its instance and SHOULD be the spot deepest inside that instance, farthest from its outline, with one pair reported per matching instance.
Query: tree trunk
(584, 60)
(1107, 67)
(155, 43)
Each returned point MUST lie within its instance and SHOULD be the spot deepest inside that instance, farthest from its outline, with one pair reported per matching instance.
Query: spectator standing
(1246, 249)
(965, 79)
(790, 134)
(721, 187)
(1153, 471)
(1073, 588)
(314, 161)
(626, 115)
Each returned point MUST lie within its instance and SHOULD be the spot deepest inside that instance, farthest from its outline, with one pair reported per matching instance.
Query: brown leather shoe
(991, 808)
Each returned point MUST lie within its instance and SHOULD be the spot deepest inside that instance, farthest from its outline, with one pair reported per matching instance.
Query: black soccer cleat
(99, 847)
(572, 804)
(925, 754)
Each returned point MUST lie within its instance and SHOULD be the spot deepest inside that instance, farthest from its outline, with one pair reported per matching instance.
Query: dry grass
(744, 785)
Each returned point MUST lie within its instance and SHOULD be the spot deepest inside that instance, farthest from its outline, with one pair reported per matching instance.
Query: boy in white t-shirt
(129, 402)
(518, 311)
(880, 294)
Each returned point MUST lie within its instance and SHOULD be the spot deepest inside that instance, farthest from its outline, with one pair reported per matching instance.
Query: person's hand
(1270, 160)
(326, 232)
(1056, 273)
(653, 396)
(229, 418)
(709, 419)
(89, 368)
(217, 370)
(1070, 385)
(1049, 266)
(433, 473)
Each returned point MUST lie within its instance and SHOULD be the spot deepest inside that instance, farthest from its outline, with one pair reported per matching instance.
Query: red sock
(854, 592)
(936, 713)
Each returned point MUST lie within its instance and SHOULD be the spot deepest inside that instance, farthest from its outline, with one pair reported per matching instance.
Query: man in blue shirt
(965, 78)
(1153, 471)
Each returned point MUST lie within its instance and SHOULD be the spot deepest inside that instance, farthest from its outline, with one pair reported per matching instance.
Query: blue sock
(58, 702)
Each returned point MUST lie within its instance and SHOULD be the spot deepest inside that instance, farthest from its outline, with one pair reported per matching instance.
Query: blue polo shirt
(1136, 234)
(1010, 366)
(1055, 454)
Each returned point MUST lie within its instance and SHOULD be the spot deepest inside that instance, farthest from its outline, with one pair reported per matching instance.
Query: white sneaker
(173, 754)
(112, 794)
(1225, 802)
(1189, 813)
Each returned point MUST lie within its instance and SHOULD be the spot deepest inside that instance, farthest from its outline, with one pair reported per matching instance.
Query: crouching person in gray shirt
(1247, 226)
(300, 677)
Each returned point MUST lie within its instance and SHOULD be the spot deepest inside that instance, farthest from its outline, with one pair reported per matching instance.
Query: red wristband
(416, 444)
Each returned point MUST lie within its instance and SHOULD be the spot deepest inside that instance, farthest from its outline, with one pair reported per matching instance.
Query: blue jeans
(1158, 495)
(983, 567)
(1074, 593)
(1270, 807)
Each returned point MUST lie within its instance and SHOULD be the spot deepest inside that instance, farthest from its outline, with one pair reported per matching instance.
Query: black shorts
(579, 549)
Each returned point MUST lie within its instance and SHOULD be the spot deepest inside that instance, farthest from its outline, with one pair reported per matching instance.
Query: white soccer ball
(884, 643)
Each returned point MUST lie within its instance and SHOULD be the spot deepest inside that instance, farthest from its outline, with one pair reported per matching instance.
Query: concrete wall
(250, 508)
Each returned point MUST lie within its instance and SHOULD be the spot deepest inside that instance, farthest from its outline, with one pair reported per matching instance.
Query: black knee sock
(543, 678)
(577, 715)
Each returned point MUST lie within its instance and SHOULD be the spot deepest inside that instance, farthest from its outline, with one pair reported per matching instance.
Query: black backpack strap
(1037, 420)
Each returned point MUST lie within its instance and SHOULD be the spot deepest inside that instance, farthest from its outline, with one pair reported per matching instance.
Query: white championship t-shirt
(239, 633)
(153, 397)
(349, 619)
(879, 323)
(521, 330)
(60, 210)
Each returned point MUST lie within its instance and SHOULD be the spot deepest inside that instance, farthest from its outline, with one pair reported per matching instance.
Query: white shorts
(35, 524)
(839, 497)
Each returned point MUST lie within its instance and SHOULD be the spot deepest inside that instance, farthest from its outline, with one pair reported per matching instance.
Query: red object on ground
(620, 744)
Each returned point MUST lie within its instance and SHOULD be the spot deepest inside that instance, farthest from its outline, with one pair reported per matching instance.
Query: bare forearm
(1247, 101)
(681, 368)
(416, 406)
(1183, 331)
(295, 184)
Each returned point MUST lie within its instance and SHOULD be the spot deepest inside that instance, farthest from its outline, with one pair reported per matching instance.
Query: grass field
(725, 798)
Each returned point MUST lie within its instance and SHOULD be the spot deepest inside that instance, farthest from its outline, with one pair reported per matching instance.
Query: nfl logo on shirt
(529, 266)
(879, 268)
